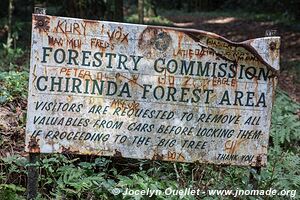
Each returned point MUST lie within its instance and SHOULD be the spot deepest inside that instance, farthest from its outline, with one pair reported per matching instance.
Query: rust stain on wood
(149, 92)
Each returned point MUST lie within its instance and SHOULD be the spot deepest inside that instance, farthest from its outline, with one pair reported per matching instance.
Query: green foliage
(75, 180)
(9, 57)
(10, 188)
(10, 192)
(142, 181)
(13, 85)
(283, 169)
(285, 122)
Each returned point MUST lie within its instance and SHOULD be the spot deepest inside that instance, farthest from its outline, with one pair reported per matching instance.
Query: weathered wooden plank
(149, 92)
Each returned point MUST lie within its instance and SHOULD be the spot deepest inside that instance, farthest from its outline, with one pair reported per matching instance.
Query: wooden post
(33, 173)
(252, 180)
(141, 11)
(33, 176)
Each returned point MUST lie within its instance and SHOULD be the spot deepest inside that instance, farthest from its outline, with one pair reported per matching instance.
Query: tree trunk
(109, 14)
(141, 11)
(152, 8)
(118, 14)
(10, 10)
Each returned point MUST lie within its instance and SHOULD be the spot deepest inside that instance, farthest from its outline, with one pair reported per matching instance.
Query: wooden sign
(149, 92)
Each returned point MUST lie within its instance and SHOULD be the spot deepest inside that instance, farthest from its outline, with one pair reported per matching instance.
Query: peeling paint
(149, 92)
